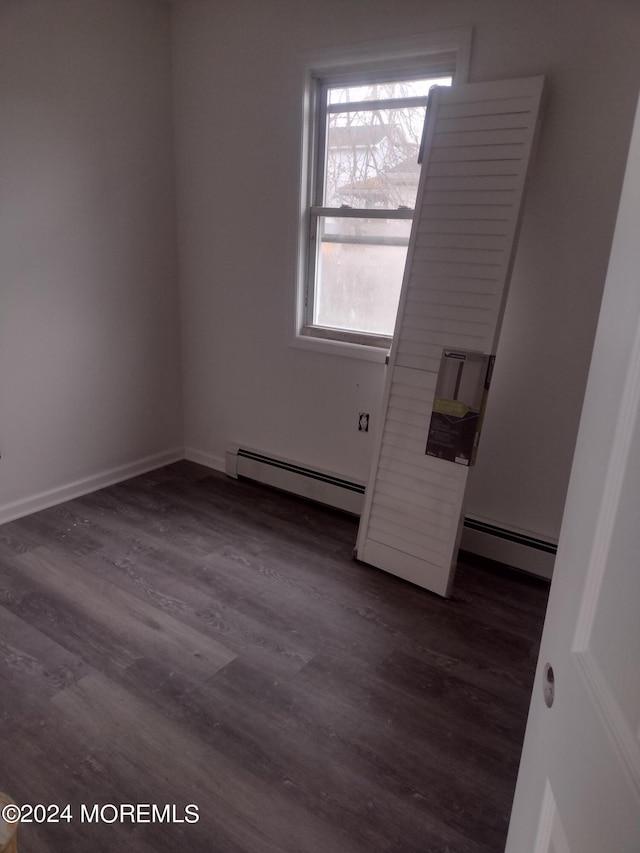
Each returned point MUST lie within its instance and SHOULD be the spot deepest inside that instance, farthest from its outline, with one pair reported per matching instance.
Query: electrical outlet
(363, 422)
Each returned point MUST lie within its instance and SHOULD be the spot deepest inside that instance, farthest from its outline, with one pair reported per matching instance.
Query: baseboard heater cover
(522, 551)
(322, 486)
(510, 535)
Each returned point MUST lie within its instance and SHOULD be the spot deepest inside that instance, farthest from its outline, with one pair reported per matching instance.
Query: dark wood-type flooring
(184, 638)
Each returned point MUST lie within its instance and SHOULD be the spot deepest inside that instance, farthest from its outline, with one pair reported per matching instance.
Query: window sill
(340, 348)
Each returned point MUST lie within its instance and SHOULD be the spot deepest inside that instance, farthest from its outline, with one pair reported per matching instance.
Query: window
(362, 179)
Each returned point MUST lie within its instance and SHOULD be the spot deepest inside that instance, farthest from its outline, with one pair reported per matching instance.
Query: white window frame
(429, 54)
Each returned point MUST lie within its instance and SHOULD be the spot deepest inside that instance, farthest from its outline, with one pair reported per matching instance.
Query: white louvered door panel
(478, 145)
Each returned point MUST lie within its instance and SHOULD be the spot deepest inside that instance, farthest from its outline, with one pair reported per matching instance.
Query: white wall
(237, 86)
(89, 338)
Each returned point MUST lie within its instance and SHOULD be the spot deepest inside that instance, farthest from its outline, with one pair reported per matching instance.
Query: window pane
(360, 268)
(371, 154)
(372, 158)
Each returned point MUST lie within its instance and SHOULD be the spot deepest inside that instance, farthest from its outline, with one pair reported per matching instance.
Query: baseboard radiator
(524, 552)
(290, 476)
(520, 550)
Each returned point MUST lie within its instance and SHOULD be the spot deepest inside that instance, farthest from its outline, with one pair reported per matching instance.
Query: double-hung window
(363, 172)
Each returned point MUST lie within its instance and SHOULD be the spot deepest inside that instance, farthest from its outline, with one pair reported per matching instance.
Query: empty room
(245, 605)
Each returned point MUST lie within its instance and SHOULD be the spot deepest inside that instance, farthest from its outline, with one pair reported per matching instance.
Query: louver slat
(478, 145)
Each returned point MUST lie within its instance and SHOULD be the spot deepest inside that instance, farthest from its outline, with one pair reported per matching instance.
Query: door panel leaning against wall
(477, 150)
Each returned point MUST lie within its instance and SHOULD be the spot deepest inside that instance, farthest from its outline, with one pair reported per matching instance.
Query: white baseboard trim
(52, 497)
(217, 463)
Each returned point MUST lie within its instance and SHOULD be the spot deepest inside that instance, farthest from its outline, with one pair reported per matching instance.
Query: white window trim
(348, 59)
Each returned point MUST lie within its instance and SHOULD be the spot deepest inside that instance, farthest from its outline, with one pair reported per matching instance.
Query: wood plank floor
(184, 638)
